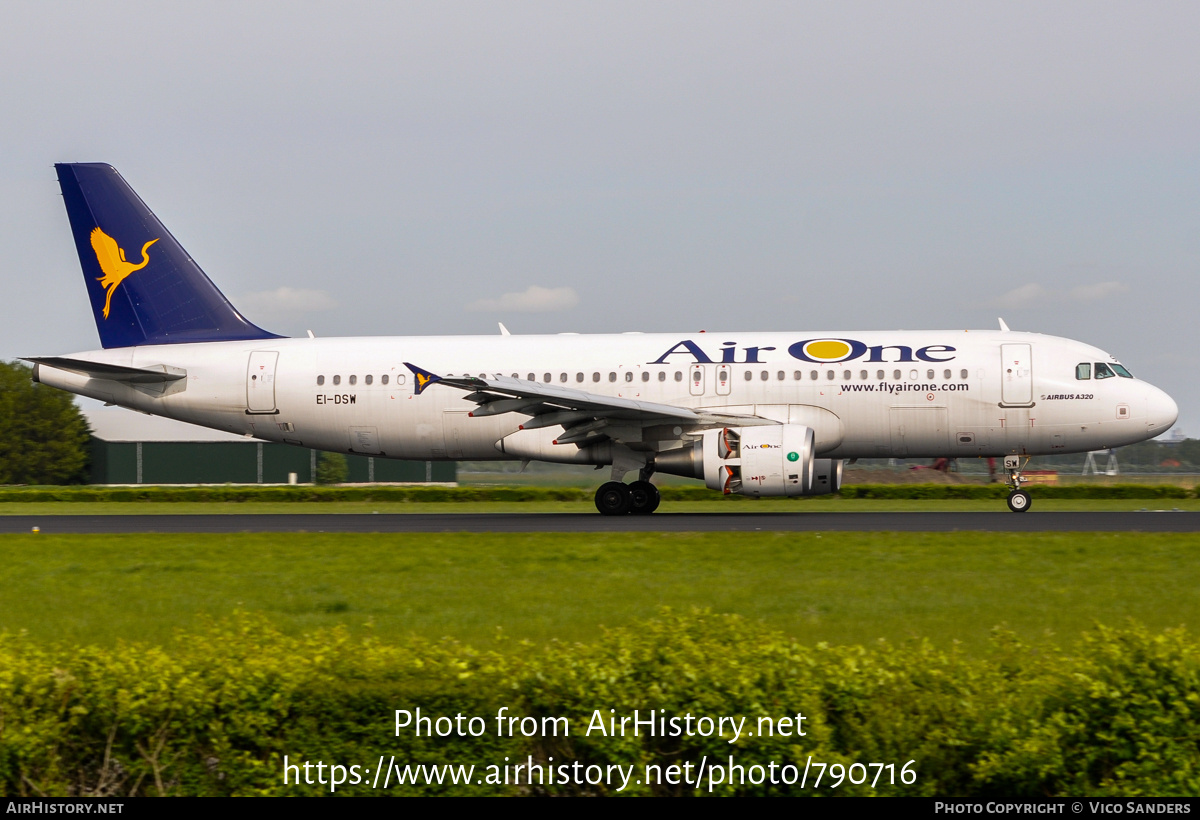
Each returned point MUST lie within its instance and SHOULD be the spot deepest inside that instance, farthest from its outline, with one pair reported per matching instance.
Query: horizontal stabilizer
(112, 372)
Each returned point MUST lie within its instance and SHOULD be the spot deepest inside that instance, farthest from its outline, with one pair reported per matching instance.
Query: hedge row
(308, 494)
(216, 712)
(1146, 491)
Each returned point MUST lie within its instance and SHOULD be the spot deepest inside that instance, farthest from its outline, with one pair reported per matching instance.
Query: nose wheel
(1018, 499)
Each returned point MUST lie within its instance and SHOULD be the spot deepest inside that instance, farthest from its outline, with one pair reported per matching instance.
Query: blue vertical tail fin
(144, 287)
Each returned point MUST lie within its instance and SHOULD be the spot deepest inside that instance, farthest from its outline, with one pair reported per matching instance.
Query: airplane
(751, 413)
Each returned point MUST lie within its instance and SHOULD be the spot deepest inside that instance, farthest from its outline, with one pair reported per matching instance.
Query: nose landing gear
(1018, 499)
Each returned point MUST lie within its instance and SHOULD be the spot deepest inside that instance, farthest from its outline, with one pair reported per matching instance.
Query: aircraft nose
(1161, 412)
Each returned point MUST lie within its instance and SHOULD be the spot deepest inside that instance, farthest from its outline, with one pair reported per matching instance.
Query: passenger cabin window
(862, 374)
(662, 375)
(337, 379)
(320, 380)
(678, 375)
(895, 374)
(629, 376)
(579, 377)
(645, 375)
(962, 374)
(829, 374)
(1083, 371)
(879, 374)
(945, 374)
(1122, 372)
(765, 375)
(368, 379)
(354, 380)
(546, 378)
(814, 375)
(612, 377)
(595, 377)
(749, 375)
(846, 375)
(781, 375)
(383, 379)
(1103, 371)
(929, 374)
(797, 375)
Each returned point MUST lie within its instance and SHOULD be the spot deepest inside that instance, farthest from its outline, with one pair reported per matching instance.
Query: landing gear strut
(1018, 499)
(639, 498)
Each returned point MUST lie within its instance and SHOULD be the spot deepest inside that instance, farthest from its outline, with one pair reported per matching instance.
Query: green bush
(988, 491)
(437, 493)
(216, 712)
(43, 436)
(331, 468)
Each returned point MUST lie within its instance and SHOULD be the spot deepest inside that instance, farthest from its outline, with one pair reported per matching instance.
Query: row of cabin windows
(765, 375)
(847, 375)
(353, 380)
(612, 377)
(1083, 371)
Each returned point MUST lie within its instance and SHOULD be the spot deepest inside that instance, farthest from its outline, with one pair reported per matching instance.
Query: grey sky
(428, 168)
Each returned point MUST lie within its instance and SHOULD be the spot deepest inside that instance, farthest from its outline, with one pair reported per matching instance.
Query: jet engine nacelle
(773, 459)
(760, 461)
(827, 476)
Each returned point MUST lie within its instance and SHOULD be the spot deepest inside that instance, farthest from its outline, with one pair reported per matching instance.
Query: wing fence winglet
(421, 378)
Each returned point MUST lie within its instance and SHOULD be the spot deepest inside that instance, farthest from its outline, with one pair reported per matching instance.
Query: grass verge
(843, 588)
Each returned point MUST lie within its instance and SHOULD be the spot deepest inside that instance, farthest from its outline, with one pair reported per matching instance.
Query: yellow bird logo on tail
(111, 257)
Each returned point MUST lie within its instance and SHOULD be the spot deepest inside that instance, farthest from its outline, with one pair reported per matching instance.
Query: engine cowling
(771, 460)
(827, 476)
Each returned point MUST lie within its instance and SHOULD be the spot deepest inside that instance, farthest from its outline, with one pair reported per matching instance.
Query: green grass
(738, 504)
(835, 587)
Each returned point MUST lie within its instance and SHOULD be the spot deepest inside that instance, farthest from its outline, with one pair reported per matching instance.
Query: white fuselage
(898, 394)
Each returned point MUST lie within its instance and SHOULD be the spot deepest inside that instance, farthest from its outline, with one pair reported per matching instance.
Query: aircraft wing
(585, 416)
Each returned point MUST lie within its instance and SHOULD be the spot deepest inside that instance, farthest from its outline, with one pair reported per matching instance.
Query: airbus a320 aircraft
(761, 414)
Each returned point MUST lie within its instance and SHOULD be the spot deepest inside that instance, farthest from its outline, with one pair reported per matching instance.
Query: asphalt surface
(1149, 521)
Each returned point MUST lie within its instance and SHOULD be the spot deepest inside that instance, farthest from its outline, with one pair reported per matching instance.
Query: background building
(132, 448)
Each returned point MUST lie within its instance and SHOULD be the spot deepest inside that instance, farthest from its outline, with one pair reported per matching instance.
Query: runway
(1149, 521)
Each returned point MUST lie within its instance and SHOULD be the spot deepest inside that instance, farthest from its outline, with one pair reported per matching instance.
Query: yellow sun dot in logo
(828, 349)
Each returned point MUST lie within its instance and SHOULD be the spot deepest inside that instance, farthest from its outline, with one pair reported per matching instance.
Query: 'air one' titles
(815, 351)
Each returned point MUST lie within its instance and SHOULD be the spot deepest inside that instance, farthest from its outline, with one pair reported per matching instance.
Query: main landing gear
(617, 498)
(1018, 499)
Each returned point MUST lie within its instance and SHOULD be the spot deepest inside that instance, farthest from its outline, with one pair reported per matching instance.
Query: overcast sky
(422, 168)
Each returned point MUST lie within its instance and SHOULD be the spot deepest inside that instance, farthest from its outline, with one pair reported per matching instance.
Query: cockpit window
(1121, 371)
(1083, 371)
(1103, 371)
